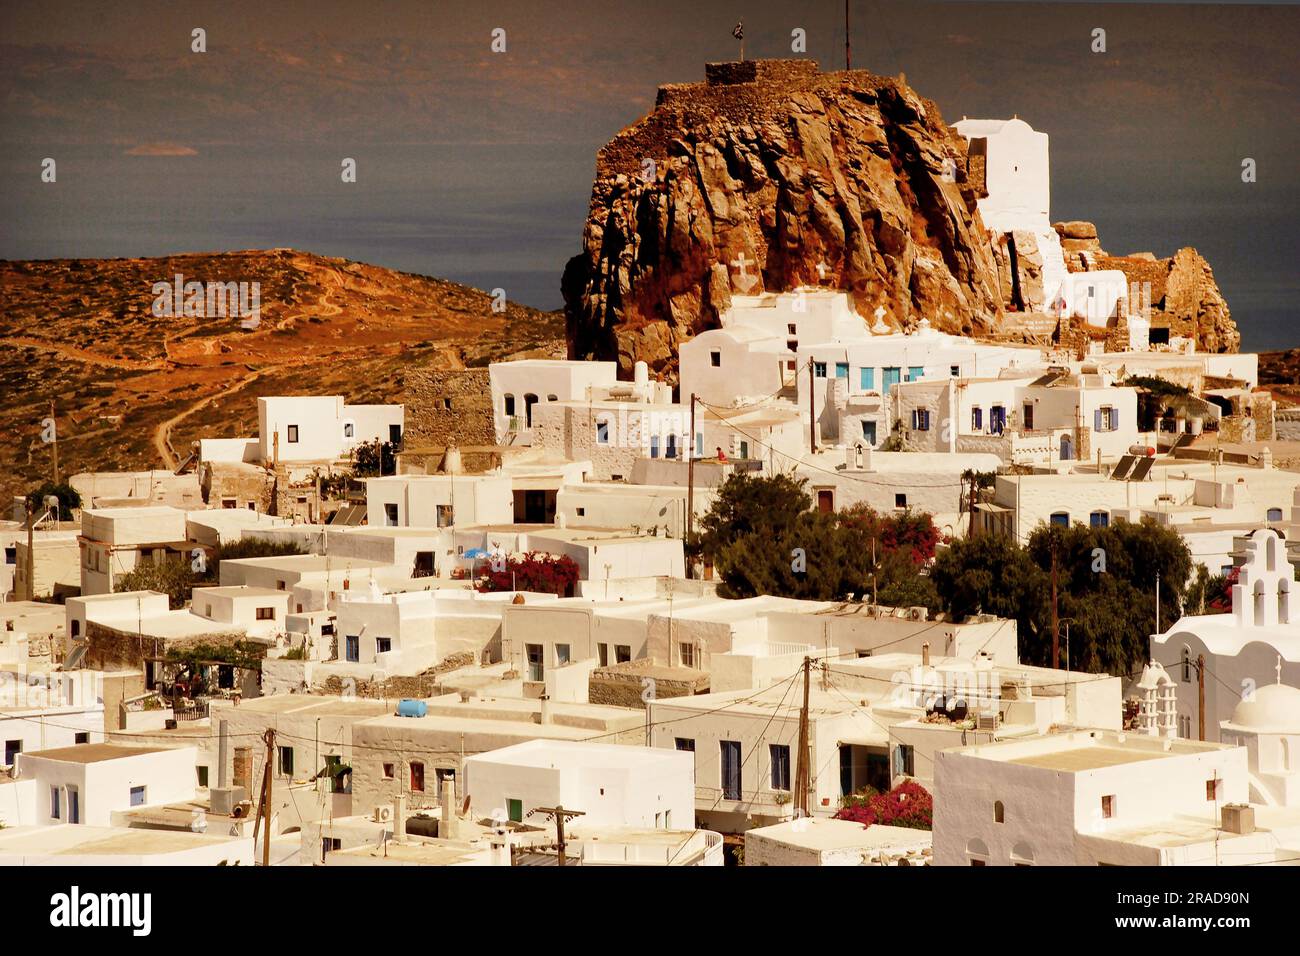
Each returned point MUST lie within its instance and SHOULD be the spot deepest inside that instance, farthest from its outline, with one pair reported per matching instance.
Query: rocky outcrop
(1185, 299)
(1079, 244)
(769, 176)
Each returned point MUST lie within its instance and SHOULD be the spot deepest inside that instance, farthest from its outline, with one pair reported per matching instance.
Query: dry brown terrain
(133, 390)
(1279, 372)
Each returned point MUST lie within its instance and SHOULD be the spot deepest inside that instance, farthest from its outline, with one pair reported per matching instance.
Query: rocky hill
(772, 175)
(132, 389)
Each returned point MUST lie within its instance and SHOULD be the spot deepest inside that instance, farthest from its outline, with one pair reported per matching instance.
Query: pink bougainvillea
(535, 571)
(907, 805)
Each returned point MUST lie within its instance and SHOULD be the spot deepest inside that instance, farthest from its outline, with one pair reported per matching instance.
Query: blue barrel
(412, 708)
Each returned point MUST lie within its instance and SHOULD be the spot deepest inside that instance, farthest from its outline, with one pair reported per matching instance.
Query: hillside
(132, 390)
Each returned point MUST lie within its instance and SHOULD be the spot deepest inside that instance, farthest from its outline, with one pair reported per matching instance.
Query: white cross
(744, 280)
(879, 313)
(822, 269)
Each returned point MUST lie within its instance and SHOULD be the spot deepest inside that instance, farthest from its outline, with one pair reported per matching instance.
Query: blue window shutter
(868, 379)
(1096, 420)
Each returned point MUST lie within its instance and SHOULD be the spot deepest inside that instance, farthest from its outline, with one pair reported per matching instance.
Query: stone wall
(111, 649)
(622, 685)
(448, 407)
(415, 686)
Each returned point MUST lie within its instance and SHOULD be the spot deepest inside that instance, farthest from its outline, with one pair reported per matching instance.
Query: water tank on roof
(412, 708)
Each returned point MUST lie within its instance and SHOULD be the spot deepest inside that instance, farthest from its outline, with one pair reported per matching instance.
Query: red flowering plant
(912, 531)
(907, 805)
(535, 571)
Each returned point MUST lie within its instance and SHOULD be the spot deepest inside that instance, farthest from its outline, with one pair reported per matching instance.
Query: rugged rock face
(769, 176)
(1185, 299)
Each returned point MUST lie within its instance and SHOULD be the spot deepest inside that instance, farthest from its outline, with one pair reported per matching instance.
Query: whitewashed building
(1255, 645)
(611, 784)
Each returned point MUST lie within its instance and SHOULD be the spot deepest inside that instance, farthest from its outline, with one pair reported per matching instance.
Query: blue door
(869, 433)
(74, 805)
(892, 377)
(1067, 448)
(842, 370)
(997, 419)
(915, 373)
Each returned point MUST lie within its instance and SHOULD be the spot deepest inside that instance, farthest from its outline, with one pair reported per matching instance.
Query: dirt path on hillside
(85, 355)
(162, 441)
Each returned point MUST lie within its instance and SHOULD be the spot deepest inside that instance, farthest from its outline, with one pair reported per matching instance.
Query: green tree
(68, 497)
(176, 579)
(1106, 589)
(990, 574)
(803, 558)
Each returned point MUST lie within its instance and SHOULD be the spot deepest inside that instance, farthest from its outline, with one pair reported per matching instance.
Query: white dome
(1274, 708)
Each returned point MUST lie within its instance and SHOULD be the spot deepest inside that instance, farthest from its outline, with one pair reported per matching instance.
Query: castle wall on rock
(448, 407)
(843, 180)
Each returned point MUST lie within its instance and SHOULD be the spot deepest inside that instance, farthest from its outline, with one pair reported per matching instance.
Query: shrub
(907, 805)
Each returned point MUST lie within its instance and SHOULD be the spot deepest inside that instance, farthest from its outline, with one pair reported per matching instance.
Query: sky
(476, 166)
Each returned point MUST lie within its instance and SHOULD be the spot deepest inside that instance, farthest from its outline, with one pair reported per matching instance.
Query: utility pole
(973, 482)
(561, 816)
(31, 553)
(690, 484)
(1056, 621)
(802, 778)
(55, 442)
(1200, 693)
(848, 58)
(264, 803)
(1157, 600)
(812, 406)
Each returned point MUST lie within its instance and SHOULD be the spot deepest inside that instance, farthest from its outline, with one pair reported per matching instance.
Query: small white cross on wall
(744, 280)
(822, 269)
(879, 313)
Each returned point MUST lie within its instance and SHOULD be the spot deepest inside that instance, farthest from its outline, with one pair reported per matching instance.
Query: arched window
(1274, 514)
(1099, 519)
(977, 853)
(529, 401)
(1061, 518)
(1022, 854)
(509, 405)
(1187, 664)
(999, 812)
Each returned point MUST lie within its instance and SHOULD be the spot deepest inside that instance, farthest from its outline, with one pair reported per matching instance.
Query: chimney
(223, 748)
(1238, 818)
(925, 654)
(500, 850)
(399, 819)
(447, 824)
(544, 715)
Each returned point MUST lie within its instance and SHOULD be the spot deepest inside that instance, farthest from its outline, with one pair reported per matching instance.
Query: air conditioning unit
(987, 722)
(916, 614)
(383, 814)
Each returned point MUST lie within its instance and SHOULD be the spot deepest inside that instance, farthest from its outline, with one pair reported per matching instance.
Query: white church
(1256, 645)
